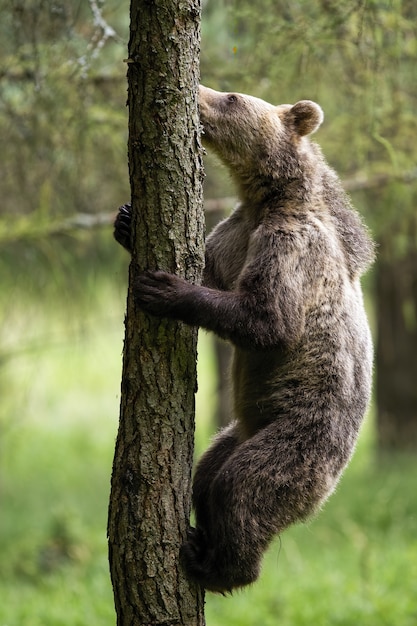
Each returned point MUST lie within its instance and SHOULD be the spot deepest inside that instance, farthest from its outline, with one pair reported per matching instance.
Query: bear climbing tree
(282, 284)
(150, 494)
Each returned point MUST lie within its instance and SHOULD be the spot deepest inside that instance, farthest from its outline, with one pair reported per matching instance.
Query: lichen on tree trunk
(150, 492)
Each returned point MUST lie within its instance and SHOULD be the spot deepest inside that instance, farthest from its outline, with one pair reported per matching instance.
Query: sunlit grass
(354, 565)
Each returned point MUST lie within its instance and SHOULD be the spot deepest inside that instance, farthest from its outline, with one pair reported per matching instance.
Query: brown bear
(281, 283)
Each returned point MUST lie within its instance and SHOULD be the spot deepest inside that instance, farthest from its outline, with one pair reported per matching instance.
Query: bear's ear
(306, 116)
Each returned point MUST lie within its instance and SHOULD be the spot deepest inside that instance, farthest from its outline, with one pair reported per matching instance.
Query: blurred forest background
(63, 172)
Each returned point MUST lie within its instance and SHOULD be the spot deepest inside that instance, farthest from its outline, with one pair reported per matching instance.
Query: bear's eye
(232, 98)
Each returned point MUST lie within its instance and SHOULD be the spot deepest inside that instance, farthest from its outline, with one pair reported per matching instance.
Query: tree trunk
(396, 355)
(151, 481)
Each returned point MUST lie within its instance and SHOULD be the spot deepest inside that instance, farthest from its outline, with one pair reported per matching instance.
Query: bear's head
(253, 137)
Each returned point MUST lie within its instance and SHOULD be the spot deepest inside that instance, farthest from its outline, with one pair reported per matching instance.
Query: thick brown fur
(281, 283)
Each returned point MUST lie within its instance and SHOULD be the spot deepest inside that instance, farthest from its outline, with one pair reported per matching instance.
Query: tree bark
(151, 481)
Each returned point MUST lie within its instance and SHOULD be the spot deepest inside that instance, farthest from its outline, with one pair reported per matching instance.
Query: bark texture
(151, 481)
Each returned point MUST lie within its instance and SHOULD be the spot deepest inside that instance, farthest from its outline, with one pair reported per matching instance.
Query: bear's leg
(247, 504)
(195, 549)
(220, 450)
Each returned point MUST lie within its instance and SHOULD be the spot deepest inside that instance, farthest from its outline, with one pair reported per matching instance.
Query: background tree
(150, 497)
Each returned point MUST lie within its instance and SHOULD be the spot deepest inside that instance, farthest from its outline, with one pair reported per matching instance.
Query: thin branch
(99, 20)
(26, 230)
(360, 182)
(103, 31)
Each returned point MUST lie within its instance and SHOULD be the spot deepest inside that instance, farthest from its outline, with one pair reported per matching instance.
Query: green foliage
(62, 114)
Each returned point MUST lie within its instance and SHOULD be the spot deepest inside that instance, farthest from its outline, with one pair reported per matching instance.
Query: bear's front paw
(158, 292)
(122, 226)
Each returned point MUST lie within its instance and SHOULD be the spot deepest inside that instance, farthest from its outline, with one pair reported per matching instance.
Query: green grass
(354, 565)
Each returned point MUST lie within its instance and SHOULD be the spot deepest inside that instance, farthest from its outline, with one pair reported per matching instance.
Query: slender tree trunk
(151, 482)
